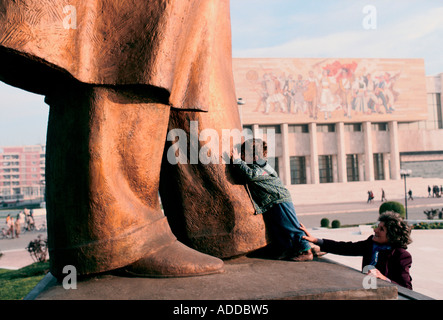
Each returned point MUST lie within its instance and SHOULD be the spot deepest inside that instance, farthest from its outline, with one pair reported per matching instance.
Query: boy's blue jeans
(284, 228)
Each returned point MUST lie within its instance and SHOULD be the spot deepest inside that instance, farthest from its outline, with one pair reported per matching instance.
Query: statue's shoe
(175, 260)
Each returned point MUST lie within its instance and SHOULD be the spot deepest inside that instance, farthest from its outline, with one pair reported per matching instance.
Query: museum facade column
(369, 155)
(341, 153)
(395, 153)
(315, 176)
(255, 131)
(286, 165)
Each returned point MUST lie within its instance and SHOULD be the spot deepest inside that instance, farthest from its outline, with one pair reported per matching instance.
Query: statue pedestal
(244, 279)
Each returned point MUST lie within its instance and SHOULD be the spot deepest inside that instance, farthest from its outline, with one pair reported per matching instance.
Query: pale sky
(285, 29)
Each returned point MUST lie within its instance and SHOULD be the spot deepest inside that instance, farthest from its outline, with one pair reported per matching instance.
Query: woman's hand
(235, 154)
(308, 236)
(376, 273)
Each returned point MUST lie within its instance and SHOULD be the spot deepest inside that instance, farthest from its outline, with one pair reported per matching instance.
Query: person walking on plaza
(22, 218)
(385, 250)
(17, 226)
(383, 196)
(429, 191)
(370, 196)
(272, 199)
(10, 226)
(410, 195)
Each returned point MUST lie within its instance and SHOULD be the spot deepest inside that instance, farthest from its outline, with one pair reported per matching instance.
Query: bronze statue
(118, 75)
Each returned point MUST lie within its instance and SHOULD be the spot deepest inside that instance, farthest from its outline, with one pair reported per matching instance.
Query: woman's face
(380, 234)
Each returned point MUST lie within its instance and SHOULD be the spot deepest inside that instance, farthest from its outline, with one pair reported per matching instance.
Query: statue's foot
(175, 260)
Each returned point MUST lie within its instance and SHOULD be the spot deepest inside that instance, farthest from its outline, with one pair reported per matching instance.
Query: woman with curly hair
(385, 250)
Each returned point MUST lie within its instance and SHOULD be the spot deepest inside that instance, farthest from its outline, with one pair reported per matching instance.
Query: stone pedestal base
(244, 279)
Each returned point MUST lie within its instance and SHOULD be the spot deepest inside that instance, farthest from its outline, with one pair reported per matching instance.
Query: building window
(298, 170)
(326, 127)
(352, 167)
(383, 126)
(325, 169)
(439, 111)
(379, 172)
(435, 117)
(302, 128)
(273, 162)
(267, 128)
(353, 127)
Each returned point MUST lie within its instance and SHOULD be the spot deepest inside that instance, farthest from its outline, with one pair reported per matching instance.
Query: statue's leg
(104, 151)
(208, 209)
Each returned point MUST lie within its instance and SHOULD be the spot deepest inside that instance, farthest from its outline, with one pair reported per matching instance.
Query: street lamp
(240, 103)
(406, 173)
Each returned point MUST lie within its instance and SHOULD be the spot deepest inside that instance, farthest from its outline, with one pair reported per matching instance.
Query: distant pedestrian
(22, 218)
(410, 195)
(10, 225)
(383, 197)
(370, 196)
(435, 191)
(429, 191)
(17, 226)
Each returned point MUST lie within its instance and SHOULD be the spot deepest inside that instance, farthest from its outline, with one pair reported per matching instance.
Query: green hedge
(428, 225)
(393, 206)
(335, 224)
(324, 223)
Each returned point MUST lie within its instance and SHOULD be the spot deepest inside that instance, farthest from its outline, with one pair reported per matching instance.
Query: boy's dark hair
(254, 149)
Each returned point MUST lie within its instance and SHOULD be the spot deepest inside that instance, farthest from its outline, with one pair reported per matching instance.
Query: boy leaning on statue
(272, 199)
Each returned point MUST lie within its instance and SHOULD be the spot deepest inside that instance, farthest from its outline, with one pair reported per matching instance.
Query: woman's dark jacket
(394, 263)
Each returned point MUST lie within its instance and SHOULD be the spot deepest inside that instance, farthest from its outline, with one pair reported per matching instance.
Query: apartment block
(22, 173)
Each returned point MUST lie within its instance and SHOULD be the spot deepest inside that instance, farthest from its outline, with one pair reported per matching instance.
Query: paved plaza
(426, 249)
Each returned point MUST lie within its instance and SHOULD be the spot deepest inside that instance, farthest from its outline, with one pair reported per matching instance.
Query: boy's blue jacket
(265, 187)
